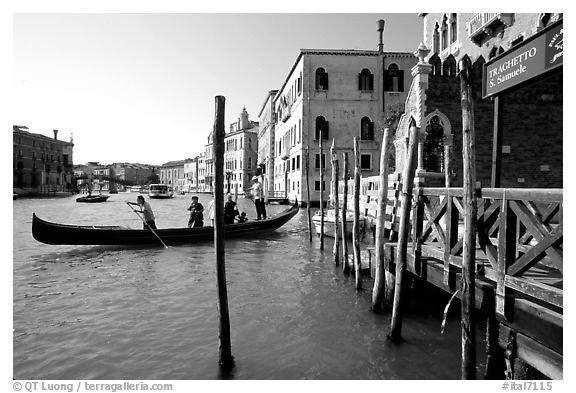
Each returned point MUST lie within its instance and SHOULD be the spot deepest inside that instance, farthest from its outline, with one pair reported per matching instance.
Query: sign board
(538, 55)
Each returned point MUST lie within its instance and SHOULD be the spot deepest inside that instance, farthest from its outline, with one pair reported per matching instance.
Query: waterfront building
(266, 131)
(529, 152)
(209, 164)
(202, 173)
(335, 95)
(132, 173)
(172, 174)
(190, 175)
(101, 178)
(240, 153)
(41, 164)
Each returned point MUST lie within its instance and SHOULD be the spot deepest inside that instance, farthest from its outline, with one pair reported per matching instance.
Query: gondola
(93, 198)
(52, 233)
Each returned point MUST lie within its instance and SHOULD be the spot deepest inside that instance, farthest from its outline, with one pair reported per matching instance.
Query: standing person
(258, 195)
(146, 211)
(230, 210)
(196, 214)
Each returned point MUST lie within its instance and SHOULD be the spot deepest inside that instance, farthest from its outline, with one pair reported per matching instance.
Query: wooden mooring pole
(379, 291)
(308, 195)
(356, 225)
(469, 238)
(345, 263)
(402, 247)
(334, 160)
(322, 161)
(226, 359)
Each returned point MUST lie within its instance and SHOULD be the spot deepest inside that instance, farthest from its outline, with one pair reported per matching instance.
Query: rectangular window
(394, 80)
(297, 162)
(317, 185)
(366, 161)
(317, 161)
(293, 163)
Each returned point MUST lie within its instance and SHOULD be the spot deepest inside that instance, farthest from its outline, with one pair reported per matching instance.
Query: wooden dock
(519, 259)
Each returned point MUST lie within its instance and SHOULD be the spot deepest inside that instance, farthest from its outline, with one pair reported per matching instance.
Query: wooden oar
(148, 226)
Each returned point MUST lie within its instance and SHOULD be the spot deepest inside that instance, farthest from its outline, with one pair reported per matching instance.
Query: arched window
(436, 64)
(321, 79)
(436, 39)
(444, 31)
(453, 29)
(365, 80)
(434, 145)
(449, 66)
(366, 129)
(321, 128)
(393, 79)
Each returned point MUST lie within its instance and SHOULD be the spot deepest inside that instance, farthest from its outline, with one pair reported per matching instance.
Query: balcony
(285, 154)
(485, 24)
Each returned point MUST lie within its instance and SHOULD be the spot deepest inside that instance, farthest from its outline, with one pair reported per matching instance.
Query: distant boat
(135, 189)
(329, 223)
(93, 198)
(160, 191)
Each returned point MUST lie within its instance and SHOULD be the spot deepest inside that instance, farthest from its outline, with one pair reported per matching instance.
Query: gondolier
(258, 195)
(146, 210)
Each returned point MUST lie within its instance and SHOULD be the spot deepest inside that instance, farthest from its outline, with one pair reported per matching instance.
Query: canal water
(111, 312)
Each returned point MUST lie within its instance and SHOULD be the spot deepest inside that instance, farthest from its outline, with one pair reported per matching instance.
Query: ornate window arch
(437, 128)
(444, 32)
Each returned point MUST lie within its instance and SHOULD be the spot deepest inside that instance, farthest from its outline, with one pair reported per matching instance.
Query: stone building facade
(266, 140)
(336, 95)
(41, 164)
(240, 153)
(532, 137)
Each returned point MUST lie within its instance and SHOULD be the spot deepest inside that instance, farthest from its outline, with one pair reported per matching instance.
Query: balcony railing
(484, 23)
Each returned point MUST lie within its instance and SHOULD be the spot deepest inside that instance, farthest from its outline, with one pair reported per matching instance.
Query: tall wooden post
(236, 192)
(497, 142)
(448, 142)
(322, 161)
(345, 263)
(334, 160)
(356, 225)
(402, 248)
(470, 212)
(308, 196)
(378, 293)
(226, 359)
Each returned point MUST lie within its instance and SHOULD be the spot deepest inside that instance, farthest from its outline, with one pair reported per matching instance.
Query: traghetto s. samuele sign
(538, 55)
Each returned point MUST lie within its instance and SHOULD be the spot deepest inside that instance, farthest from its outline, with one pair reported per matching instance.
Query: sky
(141, 87)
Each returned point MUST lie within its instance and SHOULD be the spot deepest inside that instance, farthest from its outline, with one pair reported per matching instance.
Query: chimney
(55, 134)
(381, 34)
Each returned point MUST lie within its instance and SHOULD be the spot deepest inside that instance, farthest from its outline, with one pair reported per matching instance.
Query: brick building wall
(532, 128)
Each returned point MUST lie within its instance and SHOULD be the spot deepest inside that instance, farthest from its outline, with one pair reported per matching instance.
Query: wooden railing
(519, 237)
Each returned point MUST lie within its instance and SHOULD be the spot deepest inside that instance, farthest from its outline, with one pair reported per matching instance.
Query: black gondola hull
(61, 234)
